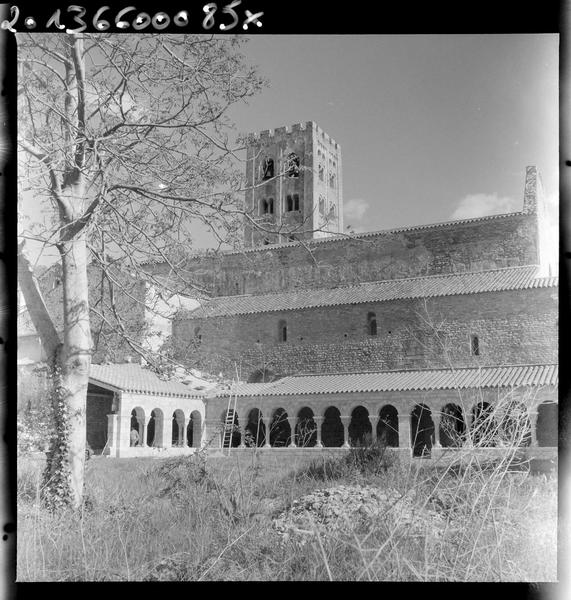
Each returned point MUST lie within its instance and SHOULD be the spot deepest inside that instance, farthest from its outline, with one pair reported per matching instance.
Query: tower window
(321, 172)
(267, 206)
(372, 323)
(197, 336)
(293, 165)
(268, 168)
(282, 331)
(289, 203)
(332, 180)
(296, 202)
(475, 345)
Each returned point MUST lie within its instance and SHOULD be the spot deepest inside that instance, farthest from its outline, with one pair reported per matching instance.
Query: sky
(432, 127)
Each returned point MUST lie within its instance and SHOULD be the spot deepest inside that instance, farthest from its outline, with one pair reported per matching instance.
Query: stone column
(318, 423)
(374, 419)
(345, 420)
(404, 431)
(142, 429)
(292, 423)
(533, 414)
(267, 422)
(436, 417)
(242, 425)
(113, 430)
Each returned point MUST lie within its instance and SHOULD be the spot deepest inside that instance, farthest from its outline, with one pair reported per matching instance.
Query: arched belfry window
(321, 171)
(372, 323)
(293, 165)
(268, 168)
(282, 331)
(475, 345)
(332, 180)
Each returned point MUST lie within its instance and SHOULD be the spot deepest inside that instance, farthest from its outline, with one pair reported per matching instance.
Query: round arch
(332, 433)
(305, 428)
(194, 430)
(155, 428)
(422, 430)
(280, 429)
(452, 426)
(255, 429)
(138, 424)
(360, 427)
(231, 437)
(388, 426)
(262, 375)
(483, 428)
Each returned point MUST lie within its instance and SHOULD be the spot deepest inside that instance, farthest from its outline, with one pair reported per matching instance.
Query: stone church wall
(490, 243)
(513, 327)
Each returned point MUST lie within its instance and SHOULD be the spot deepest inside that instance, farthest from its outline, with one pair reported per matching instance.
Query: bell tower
(294, 186)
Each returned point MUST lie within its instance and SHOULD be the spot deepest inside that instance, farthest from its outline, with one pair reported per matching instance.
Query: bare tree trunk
(76, 357)
(69, 369)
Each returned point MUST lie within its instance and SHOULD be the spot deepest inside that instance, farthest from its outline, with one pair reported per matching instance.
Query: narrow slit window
(289, 203)
(296, 202)
(271, 206)
(282, 331)
(475, 345)
(372, 324)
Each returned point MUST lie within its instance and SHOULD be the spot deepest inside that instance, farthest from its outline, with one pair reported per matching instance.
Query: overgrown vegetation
(193, 518)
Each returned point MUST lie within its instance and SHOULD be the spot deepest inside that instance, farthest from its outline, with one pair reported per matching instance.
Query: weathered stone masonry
(489, 243)
(513, 327)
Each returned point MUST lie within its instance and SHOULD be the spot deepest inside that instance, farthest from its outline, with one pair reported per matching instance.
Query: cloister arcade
(155, 431)
(419, 426)
(420, 423)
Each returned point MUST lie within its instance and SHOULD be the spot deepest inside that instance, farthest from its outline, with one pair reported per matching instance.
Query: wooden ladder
(229, 423)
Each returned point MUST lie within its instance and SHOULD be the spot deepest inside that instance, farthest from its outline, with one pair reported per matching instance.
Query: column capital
(345, 419)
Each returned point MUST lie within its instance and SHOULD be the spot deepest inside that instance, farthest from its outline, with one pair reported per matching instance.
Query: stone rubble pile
(346, 507)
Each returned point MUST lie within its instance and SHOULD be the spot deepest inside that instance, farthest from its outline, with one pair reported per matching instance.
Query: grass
(186, 519)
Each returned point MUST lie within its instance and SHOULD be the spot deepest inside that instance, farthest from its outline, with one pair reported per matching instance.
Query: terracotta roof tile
(398, 381)
(131, 377)
(512, 278)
